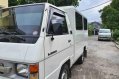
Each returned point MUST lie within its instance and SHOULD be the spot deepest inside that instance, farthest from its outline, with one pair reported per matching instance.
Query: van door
(58, 44)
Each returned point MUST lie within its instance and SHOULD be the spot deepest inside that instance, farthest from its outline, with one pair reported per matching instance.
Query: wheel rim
(64, 75)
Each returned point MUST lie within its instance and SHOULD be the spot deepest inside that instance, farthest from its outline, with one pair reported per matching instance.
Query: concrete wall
(3, 3)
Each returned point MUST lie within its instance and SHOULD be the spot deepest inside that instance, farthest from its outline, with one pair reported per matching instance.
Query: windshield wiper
(6, 33)
(12, 34)
(19, 37)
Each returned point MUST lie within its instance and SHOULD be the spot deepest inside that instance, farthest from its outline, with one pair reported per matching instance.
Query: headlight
(30, 71)
(22, 70)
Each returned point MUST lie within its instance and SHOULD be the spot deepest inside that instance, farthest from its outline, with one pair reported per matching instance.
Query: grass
(117, 42)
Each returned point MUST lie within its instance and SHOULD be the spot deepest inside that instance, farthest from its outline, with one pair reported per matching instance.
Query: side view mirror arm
(52, 31)
(52, 37)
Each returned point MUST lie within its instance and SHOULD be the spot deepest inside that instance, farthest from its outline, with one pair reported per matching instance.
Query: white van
(41, 41)
(104, 34)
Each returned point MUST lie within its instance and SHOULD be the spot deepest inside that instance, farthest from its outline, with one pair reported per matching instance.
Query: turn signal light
(34, 68)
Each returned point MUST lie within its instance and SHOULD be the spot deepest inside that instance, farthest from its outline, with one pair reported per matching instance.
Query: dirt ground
(102, 61)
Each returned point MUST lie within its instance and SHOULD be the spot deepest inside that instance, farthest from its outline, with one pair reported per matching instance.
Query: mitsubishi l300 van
(41, 41)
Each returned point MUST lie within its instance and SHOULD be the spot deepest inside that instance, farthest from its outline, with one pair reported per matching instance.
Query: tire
(85, 52)
(65, 72)
(81, 59)
(98, 39)
(110, 39)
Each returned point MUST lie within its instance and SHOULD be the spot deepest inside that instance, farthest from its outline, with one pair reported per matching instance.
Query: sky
(92, 14)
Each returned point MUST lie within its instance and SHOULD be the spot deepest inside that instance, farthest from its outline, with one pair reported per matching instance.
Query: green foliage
(118, 39)
(55, 2)
(115, 4)
(90, 29)
(110, 17)
(116, 34)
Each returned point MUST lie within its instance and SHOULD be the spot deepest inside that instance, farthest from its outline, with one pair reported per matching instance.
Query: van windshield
(21, 24)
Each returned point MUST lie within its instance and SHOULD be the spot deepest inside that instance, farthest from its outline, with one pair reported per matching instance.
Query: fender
(59, 67)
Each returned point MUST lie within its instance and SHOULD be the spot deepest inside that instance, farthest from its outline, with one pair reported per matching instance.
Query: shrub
(90, 30)
(116, 34)
(118, 39)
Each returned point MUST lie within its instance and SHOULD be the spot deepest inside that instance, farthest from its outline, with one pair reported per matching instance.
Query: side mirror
(51, 31)
(55, 29)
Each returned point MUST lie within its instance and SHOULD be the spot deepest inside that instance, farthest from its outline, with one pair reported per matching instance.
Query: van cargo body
(41, 41)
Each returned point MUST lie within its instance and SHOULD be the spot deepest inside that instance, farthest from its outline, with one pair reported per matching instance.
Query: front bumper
(14, 77)
(104, 38)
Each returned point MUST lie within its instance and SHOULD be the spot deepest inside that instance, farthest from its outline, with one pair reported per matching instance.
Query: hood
(13, 51)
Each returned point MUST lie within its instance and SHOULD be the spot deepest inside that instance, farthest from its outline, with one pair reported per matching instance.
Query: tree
(115, 4)
(55, 2)
(110, 18)
(110, 15)
(90, 29)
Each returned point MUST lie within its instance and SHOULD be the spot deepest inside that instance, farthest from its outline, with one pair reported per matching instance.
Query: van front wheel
(64, 74)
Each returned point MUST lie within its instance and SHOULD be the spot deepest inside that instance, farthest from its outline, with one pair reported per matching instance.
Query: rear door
(58, 45)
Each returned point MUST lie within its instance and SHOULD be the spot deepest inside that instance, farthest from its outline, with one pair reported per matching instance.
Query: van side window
(58, 24)
(79, 23)
(85, 24)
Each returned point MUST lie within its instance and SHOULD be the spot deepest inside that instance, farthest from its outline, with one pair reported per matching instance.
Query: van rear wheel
(81, 59)
(64, 74)
(85, 52)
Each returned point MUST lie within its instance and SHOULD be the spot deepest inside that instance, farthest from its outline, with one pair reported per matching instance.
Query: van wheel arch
(67, 63)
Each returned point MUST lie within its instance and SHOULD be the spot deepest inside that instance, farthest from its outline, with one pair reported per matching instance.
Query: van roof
(72, 7)
(33, 4)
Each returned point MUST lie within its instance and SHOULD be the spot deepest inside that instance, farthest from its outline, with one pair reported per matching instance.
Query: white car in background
(104, 34)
